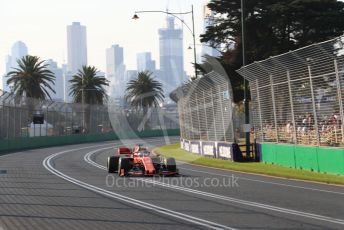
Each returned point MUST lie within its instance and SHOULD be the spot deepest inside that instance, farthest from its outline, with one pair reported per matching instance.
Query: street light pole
(194, 40)
(192, 31)
(246, 105)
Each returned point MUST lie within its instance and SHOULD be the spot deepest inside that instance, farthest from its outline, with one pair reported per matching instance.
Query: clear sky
(41, 25)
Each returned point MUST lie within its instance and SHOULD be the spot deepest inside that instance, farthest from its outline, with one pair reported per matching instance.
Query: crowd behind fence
(205, 109)
(297, 97)
(60, 118)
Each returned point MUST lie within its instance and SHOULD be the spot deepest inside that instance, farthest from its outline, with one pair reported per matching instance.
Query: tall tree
(272, 27)
(144, 92)
(31, 78)
(87, 86)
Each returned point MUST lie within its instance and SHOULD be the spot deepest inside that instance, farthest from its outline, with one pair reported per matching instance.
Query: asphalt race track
(68, 188)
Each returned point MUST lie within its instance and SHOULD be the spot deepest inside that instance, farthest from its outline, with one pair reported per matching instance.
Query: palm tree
(31, 78)
(87, 87)
(144, 92)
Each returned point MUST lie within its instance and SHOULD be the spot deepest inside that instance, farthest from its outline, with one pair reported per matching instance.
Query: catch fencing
(60, 119)
(205, 109)
(16, 117)
(297, 97)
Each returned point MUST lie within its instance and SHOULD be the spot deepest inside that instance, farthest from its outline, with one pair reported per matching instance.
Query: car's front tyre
(112, 164)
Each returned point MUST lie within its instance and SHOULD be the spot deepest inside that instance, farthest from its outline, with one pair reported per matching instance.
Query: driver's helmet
(142, 153)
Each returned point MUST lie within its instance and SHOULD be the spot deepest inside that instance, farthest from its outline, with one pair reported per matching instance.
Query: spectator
(304, 125)
(289, 127)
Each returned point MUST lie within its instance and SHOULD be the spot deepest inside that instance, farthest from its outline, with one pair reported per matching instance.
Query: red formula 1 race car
(139, 162)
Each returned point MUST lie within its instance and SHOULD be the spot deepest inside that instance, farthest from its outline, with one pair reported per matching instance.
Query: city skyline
(134, 35)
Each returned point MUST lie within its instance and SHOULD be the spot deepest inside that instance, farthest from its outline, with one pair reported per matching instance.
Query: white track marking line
(87, 158)
(265, 182)
(191, 219)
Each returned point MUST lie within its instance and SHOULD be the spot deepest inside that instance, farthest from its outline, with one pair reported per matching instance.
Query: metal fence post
(59, 114)
(8, 122)
(72, 119)
(46, 122)
(181, 117)
(14, 118)
(212, 105)
(185, 136)
(190, 119)
(260, 112)
(292, 108)
(199, 122)
(314, 107)
(20, 122)
(66, 118)
(340, 100)
(274, 107)
(98, 124)
(221, 106)
(205, 114)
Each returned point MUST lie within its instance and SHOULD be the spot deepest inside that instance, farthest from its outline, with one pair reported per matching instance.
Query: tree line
(32, 78)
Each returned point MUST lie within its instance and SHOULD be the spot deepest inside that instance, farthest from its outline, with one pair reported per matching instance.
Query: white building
(144, 62)
(115, 70)
(19, 50)
(76, 47)
(59, 81)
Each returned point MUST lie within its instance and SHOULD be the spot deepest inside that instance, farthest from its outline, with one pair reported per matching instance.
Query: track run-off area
(68, 187)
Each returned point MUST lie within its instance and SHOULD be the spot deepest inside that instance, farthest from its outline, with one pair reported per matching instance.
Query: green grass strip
(174, 150)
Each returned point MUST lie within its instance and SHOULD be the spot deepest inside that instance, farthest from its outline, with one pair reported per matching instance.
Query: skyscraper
(77, 47)
(171, 56)
(144, 62)
(114, 60)
(19, 50)
(115, 70)
(59, 84)
(8, 67)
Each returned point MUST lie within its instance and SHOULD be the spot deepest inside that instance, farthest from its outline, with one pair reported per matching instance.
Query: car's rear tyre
(170, 164)
(123, 166)
(112, 164)
(157, 163)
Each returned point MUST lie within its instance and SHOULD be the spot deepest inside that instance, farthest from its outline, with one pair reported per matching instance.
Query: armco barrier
(48, 141)
(318, 159)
